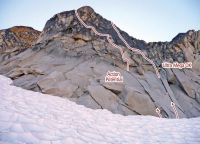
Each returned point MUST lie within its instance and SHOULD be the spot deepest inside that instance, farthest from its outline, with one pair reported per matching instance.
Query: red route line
(158, 112)
(109, 38)
(173, 105)
(136, 50)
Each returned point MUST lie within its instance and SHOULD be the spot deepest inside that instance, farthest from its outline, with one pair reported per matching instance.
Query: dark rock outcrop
(15, 40)
(18, 37)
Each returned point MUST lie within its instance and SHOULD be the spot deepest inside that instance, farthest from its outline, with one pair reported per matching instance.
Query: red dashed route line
(158, 112)
(136, 50)
(100, 34)
(173, 105)
(109, 38)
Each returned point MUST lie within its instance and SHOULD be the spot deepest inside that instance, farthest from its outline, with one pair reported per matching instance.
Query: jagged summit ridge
(87, 9)
(67, 23)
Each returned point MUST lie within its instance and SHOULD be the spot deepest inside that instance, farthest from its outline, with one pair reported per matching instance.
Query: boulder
(189, 105)
(108, 100)
(56, 84)
(185, 82)
(88, 101)
(139, 102)
(105, 98)
(114, 87)
(63, 88)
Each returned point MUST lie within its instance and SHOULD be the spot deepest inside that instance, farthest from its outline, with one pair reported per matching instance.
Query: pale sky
(149, 20)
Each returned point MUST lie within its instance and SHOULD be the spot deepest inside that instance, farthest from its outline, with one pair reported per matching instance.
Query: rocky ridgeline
(69, 60)
(18, 37)
(183, 48)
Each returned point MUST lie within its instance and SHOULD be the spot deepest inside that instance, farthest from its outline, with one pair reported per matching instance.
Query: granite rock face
(69, 60)
(16, 39)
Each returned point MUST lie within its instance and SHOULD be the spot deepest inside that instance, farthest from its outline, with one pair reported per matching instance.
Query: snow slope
(35, 118)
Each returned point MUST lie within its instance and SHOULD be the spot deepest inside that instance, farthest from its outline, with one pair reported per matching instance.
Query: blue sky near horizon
(149, 20)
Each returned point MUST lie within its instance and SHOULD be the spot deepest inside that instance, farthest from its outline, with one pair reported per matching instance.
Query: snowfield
(34, 118)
